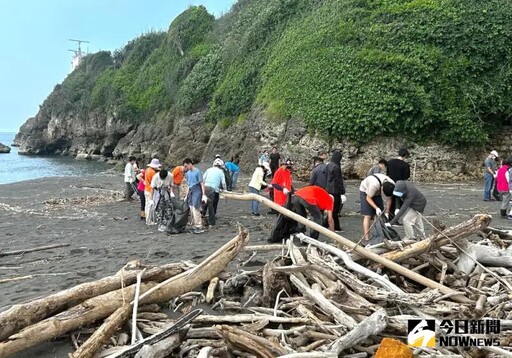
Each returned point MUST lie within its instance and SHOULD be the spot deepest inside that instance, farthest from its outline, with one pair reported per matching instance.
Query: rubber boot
(503, 213)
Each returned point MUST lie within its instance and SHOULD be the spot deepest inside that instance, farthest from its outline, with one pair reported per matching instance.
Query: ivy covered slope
(350, 69)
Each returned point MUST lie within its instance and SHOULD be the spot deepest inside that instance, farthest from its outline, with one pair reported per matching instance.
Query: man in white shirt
(129, 178)
(370, 192)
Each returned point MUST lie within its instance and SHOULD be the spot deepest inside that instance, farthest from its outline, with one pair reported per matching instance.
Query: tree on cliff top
(427, 69)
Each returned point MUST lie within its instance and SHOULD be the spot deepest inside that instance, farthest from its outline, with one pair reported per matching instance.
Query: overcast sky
(34, 43)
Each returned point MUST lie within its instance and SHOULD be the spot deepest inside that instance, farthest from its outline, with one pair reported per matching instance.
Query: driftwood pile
(314, 299)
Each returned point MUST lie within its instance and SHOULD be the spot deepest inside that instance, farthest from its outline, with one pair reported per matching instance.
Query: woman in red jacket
(282, 182)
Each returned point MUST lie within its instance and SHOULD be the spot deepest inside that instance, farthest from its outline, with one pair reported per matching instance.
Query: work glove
(396, 211)
(343, 199)
(378, 211)
(386, 215)
(387, 225)
(172, 195)
(285, 191)
(204, 199)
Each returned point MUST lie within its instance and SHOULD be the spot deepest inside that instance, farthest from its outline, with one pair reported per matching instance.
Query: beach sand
(105, 232)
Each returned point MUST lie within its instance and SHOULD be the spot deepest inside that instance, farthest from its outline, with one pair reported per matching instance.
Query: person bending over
(313, 200)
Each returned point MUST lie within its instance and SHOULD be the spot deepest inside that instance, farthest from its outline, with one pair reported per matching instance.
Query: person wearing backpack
(370, 192)
(413, 205)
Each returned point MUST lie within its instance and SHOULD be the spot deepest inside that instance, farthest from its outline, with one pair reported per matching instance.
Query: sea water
(15, 167)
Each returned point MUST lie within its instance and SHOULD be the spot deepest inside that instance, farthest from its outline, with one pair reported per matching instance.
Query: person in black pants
(398, 169)
(336, 186)
(275, 160)
(315, 200)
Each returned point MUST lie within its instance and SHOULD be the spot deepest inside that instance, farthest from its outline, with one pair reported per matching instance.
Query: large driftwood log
(486, 255)
(102, 306)
(465, 229)
(107, 329)
(454, 295)
(23, 315)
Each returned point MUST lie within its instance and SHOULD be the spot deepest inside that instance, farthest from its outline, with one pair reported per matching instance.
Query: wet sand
(105, 232)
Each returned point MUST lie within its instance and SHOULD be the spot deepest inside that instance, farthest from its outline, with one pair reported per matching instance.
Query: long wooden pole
(455, 295)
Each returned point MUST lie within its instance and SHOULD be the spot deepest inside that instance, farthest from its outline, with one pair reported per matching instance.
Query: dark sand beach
(105, 232)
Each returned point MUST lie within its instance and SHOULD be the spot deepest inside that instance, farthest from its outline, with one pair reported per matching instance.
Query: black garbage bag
(381, 232)
(179, 216)
(284, 226)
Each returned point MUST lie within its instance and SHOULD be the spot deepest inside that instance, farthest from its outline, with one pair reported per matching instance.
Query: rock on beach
(4, 148)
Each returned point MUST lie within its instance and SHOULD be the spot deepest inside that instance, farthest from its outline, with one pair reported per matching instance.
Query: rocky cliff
(103, 138)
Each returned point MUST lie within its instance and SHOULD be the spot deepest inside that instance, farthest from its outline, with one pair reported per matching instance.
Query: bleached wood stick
(136, 306)
(249, 318)
(40, 248)
(211, 289)
(347, 260)
(269, 247)
(339, 316)
(28, 277)
(370, 327)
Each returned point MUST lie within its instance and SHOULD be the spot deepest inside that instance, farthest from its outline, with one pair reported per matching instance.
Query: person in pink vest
(502, 185)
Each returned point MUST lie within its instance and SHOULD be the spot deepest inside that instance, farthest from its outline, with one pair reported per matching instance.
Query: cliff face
(103, 138)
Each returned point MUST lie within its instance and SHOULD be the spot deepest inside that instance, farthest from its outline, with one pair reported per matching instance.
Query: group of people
(324, 197)
(157, 187)
(385, 191)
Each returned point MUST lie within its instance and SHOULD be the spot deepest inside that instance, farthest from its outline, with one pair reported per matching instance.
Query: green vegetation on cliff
(425, 69)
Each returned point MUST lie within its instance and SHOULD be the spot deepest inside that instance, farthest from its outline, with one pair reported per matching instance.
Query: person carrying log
(413, 204)
(370, 193)
(315, 201)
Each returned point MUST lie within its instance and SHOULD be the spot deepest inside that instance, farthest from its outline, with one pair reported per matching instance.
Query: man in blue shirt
(233, 171)
(196, 194)
(213, 181)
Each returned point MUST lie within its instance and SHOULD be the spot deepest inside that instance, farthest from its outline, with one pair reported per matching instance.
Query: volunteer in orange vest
(153, 167)
(282, 182)
(178, 173)
(316, 201)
